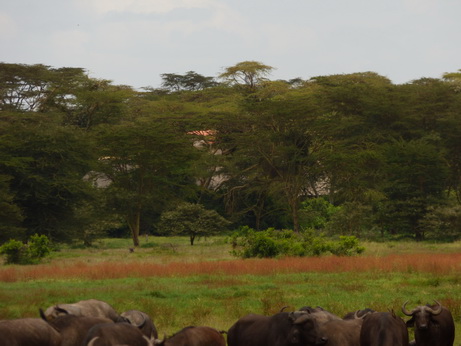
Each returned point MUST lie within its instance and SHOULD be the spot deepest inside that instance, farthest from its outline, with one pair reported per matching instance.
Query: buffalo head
(305, 330)
(421, 315)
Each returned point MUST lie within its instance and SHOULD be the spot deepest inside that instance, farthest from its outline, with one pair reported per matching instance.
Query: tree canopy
(79, 154)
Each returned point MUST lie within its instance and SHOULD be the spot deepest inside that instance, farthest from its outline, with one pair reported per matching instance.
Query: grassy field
(180, 285)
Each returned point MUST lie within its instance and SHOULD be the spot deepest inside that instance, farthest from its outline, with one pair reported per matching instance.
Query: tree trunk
(295, 216)
(192, 238)
(294, 205)
(134, 222)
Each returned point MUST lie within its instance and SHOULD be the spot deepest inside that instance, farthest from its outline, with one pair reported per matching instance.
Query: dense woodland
(351, 154)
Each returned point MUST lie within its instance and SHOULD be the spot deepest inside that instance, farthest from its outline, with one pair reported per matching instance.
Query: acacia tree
(190, 81)
(275, 143)
(144, 167)
(192, 220)
(247, 74)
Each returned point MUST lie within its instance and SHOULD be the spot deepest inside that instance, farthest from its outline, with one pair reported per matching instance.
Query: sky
(132, 42)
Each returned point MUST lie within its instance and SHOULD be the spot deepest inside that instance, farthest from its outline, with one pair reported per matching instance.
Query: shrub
(17, 252)
(38, 246)
(272, 243)
(14, 251)
(315, 213)
(346, 246)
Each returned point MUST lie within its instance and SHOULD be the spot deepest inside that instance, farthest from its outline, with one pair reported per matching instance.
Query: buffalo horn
(283, 308)
(437, 311)
(302, 319)
(406, 312)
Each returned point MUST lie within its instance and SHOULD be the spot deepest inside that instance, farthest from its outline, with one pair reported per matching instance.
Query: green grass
(218, 300)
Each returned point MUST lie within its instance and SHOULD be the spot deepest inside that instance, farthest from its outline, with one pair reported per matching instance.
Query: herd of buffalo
(95, 323)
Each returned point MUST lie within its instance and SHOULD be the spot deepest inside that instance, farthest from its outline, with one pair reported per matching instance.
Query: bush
(17, 252)
(272, 243)
(346, 246)
(14, 251)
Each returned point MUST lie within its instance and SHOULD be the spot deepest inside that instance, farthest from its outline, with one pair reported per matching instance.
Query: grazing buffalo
(433, 324)
(194, 336)
(383, 329)
(28, 331)
(142, 321)
(281, 329)
(73, 329)
(342, 332)
(109, 334)
(91, 307)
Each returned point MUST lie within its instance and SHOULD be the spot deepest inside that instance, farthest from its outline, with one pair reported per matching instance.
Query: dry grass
(437, 264)
(180, 285)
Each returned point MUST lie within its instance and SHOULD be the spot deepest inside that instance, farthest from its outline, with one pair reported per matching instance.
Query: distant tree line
(350, 154)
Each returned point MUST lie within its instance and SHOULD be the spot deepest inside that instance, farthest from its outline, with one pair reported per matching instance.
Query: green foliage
(316, 212)
(248, 243)
(14, 250)
(351, 218)
(17, 252)
(387, 157)
(346, 246)
(192, 220)
(190, 81)
(442, 222)
(38, 246)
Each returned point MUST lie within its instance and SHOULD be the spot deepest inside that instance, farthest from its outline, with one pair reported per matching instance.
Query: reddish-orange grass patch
(439, 264)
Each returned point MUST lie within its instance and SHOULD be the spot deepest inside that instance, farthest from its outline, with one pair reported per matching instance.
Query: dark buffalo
(282, 329)
(109, 334)
(73, 329)
(28, 331)
(194, 336)
(142, 321)
(342, 332)
(91, 307)
(433, 324)
(383, 329)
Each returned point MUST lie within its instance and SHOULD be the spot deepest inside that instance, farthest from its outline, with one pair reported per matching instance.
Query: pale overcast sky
(132, 42)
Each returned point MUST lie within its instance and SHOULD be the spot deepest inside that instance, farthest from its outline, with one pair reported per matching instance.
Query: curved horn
(406, 312)
(160, 342)
(437, 311)
(283, 308)
(302, 319)
(93, 341)
(59, 309)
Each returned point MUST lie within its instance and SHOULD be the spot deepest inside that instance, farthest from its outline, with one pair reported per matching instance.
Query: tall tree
(144, 167)
(275, 145)
(246, 74)
(190, 81)
(46, 169)
(416, 174)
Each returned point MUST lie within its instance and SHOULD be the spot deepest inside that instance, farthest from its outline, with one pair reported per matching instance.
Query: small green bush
(346, 246)
(249, 243)
(17, 252)
(14, 251)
